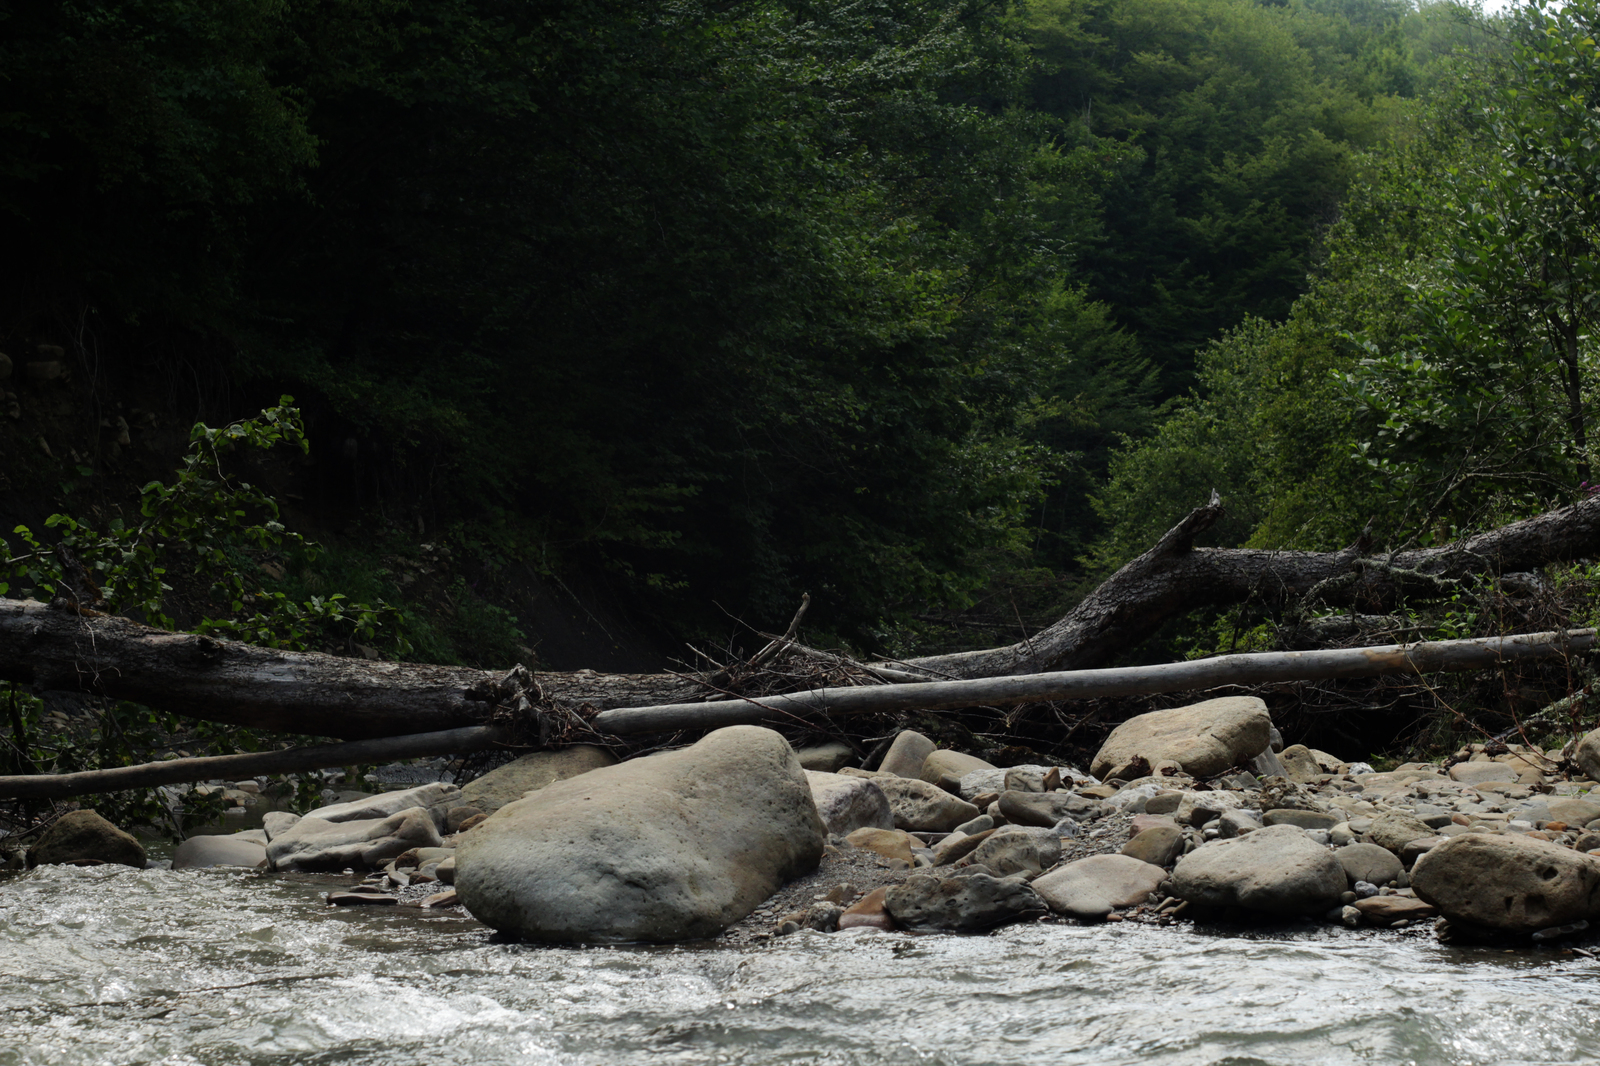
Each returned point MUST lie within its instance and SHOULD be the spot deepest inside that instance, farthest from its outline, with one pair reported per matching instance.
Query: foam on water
(109, 965)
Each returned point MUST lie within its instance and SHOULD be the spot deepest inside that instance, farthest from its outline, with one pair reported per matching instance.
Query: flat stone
(1016, 849)
(1089, 889)
(509, 783)
(447, 898)
(1394, 909)
(846, 804)
(1369, 862)
(1141, 822)
(361, 899)
(1574, 811)
(890, 843)
(437, 798)
(958, 846)
(1277, 870)
(1045, 809)
(1206, 738)
(962, 902)
(907, 754)
(1158, 846)
(921, 807)
(1395, 830)
(1301, 819)
(315, 844)
(1482, 773)
(1513, 883)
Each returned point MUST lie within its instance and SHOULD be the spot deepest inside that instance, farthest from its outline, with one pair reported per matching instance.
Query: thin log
(1444, 656)
(1174, 577)
(232, 767)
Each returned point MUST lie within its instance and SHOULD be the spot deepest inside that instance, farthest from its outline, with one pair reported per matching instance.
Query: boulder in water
(86, 837)
(1276, 870)
(316, 844)
(1513, 883)
(676, 846)
(202, 851)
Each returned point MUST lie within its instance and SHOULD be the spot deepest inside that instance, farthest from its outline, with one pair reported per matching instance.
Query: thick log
(1252, 669)
(233, 767)
(1174, 577)
(265, 688)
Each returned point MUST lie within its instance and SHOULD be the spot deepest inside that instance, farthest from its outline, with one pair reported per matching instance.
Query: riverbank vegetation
(940, 312)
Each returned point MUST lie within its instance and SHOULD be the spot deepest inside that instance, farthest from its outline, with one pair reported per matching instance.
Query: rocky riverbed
(1190, 814)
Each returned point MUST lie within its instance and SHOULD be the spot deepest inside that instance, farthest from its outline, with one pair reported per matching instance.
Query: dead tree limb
(233, 767)
(1174, 577)
(1443, 656)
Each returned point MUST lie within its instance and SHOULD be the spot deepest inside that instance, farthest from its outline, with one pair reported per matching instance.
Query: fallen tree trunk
(1174, 577)
(233, 767)
(1251, 669)
(325, 695)
(1256, 668)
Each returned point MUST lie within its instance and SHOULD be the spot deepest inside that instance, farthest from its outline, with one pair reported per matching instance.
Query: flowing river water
(112, 965)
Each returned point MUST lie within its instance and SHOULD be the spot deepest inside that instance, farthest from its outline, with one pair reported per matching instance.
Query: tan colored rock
(868, 912)
(923, 808)
(1276, 870)
(1395, 830)
(85, 836)
(946, 763)
(1204, 738)
(1092, 888)
(1513, 883)
(1483, 773)
(890, 843)
(1387, 909)
(907, 754)
(505, 784)
(1159, 845)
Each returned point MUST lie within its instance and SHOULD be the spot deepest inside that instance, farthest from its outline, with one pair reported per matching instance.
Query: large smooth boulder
(1204, 738)
(1092, 888)
(846, 804)
(360, 843)
(1514, 883)
(923, 808)
(1276, 870)
(237, 850)
(675, 846)
(966, 900)
(86, 837)
(505, 784)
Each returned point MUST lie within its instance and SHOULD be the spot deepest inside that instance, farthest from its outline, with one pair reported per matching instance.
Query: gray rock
(437, 798)
(1368, 862)
(1016, 849)
(317, 844)
(674, 846)
(508, 783)
(827, 758)
(1236, 823)
(200, 852)
(1045, 809)
(1092, 888)
(84, 836)
(907, 754)
(944, 763)
(846, 804)
(1204, 738)
(446, 871)
(1157, 846)
(1512, 883)
(968, 900)
(1395, 830)
(1276, 870)
(921, 807)
(977, 825)
(276, 823)
(1301, 819)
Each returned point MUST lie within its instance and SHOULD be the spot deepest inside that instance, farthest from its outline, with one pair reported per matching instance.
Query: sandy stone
(1509, 882)
(1204, 738)
(1092, 888)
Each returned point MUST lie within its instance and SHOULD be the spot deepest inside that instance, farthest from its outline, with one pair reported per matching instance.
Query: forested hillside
(897, 303)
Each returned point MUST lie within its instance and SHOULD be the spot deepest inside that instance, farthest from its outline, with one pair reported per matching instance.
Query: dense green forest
(893, 302)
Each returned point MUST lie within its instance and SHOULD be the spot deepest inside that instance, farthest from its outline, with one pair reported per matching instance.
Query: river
(113, 965)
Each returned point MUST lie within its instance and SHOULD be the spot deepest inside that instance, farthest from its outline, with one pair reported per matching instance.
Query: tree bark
(1174, 577)
(352, 699)
(1256, 668)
